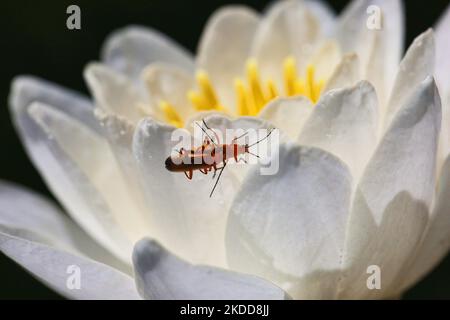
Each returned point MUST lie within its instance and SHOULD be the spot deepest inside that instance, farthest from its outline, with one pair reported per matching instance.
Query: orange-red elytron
(211, 155)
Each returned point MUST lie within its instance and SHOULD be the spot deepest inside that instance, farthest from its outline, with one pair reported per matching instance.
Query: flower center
(252, 94)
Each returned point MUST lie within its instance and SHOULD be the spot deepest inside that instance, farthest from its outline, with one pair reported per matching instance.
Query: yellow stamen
(198, 101)
(171, 114)
(300, 88)
(310, 75)
(272, 91)
(242, 106)
(207, 89)
(206, 98)
(255, 86)
(253, 93)
(290, 76)
(318, 90)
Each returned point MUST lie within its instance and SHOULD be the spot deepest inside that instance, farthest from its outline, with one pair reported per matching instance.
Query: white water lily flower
(364, 179)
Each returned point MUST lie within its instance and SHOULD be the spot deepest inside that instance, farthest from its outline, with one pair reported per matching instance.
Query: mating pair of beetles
(211, 155)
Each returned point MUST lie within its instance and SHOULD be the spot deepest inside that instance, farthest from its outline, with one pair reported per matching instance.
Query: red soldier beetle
(211, 155)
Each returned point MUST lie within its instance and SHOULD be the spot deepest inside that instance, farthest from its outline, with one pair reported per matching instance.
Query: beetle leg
(243, 160)
(215, 170)
(214, 166)
(189, 174)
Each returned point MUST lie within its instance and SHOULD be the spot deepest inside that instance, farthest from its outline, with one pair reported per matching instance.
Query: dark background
(34, 40)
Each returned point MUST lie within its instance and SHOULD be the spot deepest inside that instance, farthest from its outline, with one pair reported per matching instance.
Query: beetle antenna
(207, 134)
(266, 137)
(255, 155)
(241, 136)
(207, 127)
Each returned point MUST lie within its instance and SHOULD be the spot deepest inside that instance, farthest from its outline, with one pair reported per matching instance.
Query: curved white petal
(443, 80)
(290, 226)
(183, 215)
(163, 276)
(288, 114)
(91, 154)
(444, 140)
(28, 89)
(131, 49)
(344, 123)
(63, 176)
(70, 157)
(225, 47)
(326, 59)
(199, 116)
(55, 268)
(346, 74)
(349, 25)
(119, 133)
(113, 92)
(417, 65)
(443, 51)
(380, 49)
(288, 29)
(387, 47)
(392, 202)
(324, 13)
(170, 84)
(436, 242)
(30, 216)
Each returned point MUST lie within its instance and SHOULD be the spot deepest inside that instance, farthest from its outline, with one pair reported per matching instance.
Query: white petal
(436, 242)
(326, 59)
(349, 25)
(113, 92)
(62, 175)
(184, 217)
(225, 47)
(346, 74)
(92, 155)
(170, 84)
(324, 13)
(55, 268)
(443, 51)
(417, 65)
(163, 276)
(28, 89)
(30, 216)
(131, 49)
(75, 163)
(289, 114)
(387, 48)
(288, 226)
(444, 141)
(380, 51)
(119, 133)
(199, 116)
(344, 123)
(443, 81)
(288, 29)
(392, 202)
